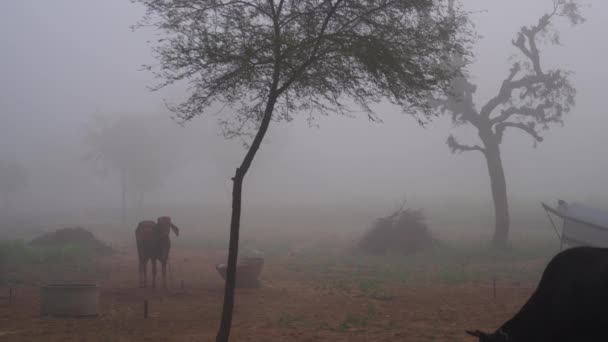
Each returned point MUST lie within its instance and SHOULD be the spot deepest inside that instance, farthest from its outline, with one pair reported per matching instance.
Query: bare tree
(267, 60)
(13, 178)
(136, 149)
(530, 98)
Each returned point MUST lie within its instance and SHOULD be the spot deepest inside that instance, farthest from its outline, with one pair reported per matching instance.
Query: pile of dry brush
(402, 232)
(72, 237)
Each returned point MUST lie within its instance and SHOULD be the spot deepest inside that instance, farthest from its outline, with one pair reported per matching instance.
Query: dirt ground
(285, 308)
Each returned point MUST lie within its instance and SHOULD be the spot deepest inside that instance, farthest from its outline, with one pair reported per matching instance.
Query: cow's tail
(169, 271)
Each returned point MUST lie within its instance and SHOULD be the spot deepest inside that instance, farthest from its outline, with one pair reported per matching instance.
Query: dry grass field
(314, 289)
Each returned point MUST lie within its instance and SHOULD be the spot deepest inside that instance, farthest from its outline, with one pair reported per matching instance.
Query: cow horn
(175, 229)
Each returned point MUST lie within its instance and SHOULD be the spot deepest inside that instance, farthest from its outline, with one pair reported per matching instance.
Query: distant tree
(529, 99)
(134, 147)
(271, 59)
(13, 178)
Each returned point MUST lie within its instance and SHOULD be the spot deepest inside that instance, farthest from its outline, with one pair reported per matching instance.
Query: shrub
(402, 232)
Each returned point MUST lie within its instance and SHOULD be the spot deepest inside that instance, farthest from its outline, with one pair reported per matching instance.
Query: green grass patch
(17, 257)
(448, 264)
(357, 321)
(288, 321)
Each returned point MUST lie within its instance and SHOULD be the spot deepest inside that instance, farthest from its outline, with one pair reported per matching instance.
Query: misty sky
(64, 60)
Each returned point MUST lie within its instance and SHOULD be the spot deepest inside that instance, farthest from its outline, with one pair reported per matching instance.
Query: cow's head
(165, 223)
(498, 336)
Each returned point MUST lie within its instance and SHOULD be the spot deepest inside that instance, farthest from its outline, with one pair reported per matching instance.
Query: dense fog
(66, 62)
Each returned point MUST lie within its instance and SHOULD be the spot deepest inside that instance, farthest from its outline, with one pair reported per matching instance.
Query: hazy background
(63, 61)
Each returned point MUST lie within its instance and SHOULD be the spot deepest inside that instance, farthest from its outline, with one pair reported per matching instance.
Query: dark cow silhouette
(153, 243)
(570, 303)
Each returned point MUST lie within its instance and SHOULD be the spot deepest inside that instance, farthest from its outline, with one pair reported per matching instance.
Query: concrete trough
(247, 272)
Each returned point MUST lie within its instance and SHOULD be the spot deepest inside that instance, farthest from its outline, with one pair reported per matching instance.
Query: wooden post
(146, 308)
(181, 285)
(10, 295)
(494, 286)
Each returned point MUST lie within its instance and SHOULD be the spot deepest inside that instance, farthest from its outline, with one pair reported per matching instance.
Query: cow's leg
(141, 272)
(164, 270)
(144, 266)
(153, 273)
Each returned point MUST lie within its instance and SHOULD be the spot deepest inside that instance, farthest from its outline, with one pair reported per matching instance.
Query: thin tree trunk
(140, 203)
(235, 220)
(6, 202)
(233, 249)
(499, 194)
(123, 204)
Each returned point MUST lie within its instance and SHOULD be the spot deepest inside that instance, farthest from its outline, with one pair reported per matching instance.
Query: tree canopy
(136, 148)
(530, 98)
(314, 55)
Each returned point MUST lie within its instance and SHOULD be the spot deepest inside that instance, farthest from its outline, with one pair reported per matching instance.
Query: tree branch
(504, 93)
(313, 54)
(455, 146)
(529, 128)
(537, 113)
(236, 2)
(526, 35)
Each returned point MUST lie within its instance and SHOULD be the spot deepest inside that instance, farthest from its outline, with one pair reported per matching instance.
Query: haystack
(402, 232)
(72, 237)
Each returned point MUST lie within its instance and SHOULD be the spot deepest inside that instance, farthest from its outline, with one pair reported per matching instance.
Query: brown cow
(153, 243)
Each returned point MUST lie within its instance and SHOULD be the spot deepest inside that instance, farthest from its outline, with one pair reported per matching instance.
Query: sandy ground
(284, 309)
